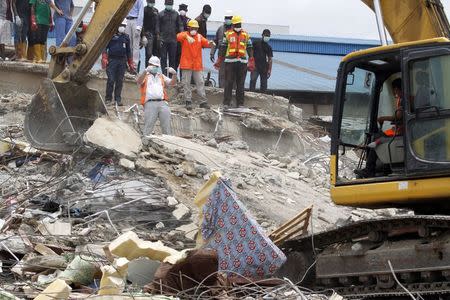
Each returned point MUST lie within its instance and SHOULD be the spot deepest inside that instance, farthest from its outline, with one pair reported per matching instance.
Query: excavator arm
(413, 20)
(64, 108)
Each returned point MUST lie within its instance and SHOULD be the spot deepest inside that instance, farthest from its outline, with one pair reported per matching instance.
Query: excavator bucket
(59, 115)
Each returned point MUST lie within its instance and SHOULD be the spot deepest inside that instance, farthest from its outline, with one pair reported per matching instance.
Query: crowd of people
(173, 44)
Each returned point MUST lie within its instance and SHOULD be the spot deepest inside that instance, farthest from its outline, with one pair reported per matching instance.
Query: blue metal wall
(296, 45)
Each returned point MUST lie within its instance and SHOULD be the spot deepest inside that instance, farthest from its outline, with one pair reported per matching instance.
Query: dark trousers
(116, 73)
(235, 73)
(263, 78)
(168, 51)
(149, 49)
(40, 35)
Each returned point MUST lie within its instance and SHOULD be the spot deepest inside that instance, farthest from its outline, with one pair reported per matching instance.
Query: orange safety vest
(237, 44)
(396, 130)
(144, 90)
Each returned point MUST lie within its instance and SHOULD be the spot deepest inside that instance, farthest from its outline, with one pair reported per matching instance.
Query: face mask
(150, 4)
(182, 13)
(154, 70)
(266, 39)
(206, 16)
(169, 7)
(121, 29)
(193, 32)
(228, 22)
(79, 29)
(237, 29)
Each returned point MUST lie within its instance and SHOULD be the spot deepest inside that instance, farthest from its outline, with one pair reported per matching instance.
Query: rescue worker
(386, 136)
(202, 20)
(21, 25)
(6, 18)
(182, 10)
(236, 50)
(151, 29)
(217, 41)
(170, 24)
(154, 96)
(114, 60)
(135, 21)
(81, 30)
(263, 59)
(63, 22)
(41, 24)
(191, 63)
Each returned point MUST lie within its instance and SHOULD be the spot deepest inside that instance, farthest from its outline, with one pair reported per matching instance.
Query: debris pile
(133, 217)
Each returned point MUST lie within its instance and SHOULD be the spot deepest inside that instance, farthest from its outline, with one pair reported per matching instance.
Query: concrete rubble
(117, 215)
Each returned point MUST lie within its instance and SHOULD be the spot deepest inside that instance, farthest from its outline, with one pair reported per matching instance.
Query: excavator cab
(412, 165)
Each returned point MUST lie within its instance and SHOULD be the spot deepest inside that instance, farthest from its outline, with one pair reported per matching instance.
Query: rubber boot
(23, 51)
(36, 53)
(43, 54)
(30, 53)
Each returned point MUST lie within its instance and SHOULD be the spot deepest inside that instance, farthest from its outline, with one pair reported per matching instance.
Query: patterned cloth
(241, 245)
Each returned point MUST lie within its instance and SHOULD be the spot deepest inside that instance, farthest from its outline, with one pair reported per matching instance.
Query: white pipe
(380, 22)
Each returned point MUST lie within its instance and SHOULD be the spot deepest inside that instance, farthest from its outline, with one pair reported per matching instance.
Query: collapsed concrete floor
(55, 207)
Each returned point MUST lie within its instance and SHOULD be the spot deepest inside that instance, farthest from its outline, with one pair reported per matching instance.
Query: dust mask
(193, 32)
(182, 13)
(238, 29)
(154, 70)
(266, 39)
(121, 29)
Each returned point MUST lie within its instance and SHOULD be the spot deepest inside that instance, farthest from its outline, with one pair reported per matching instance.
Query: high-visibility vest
(144, 90)
(237, 44)
(396, 130)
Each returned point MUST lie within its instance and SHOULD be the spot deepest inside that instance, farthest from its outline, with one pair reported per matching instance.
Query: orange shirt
(191, 54)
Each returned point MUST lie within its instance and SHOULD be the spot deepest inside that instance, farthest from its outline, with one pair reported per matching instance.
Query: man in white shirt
(154, 96)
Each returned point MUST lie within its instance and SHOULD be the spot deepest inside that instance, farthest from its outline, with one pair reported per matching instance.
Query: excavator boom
(413, 20)
(64, 108)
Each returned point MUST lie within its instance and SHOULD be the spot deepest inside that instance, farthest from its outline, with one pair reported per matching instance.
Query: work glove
(219, 62)
(131, 66)
(139, 29)
(104, 60)
(34, 26)
(251, 64)
(171, 70)
(18, 22)
(190, 39)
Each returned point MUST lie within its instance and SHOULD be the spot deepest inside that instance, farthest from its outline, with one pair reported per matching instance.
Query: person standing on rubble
(217, 41)
(21, 26)
(114, 60)
(236, 50)
(170, 24)
(151, 29)
(182, 10)
(202, 20)
(41, 24)
(191, 63)
(6, 18)
(154, 96)
(63, 22)
(263, 59)
(135, 22)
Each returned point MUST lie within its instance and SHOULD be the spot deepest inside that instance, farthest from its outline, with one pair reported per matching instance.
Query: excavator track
(353, 260)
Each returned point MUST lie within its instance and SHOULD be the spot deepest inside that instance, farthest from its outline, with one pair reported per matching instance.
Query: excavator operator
(387, 135)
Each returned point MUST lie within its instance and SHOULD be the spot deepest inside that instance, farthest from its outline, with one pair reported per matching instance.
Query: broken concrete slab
(81, 270)
(127, 164)
(190, 230)
(181, 211)
(43, 263)
(56, 228)
(13, 243)
(113, 135)
(147, 166)
(172, 201)
(141, 271)
(57, 290)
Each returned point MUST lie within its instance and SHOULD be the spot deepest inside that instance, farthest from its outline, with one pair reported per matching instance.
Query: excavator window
(430, 106)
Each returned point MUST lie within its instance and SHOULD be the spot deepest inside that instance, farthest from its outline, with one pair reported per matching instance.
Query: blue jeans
(62, 27)
(20, 33)
(116, 74)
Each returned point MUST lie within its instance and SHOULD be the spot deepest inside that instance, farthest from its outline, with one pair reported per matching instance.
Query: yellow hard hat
(193, 24)
(236, 20)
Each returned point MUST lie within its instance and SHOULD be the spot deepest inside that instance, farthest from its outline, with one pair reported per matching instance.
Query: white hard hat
(124, 22)
(154, 61)
(229, 13)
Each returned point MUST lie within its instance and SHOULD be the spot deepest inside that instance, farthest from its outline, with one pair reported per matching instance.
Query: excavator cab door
(426, 76)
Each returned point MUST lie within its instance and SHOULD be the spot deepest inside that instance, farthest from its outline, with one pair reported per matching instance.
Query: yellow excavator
(389, 257)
